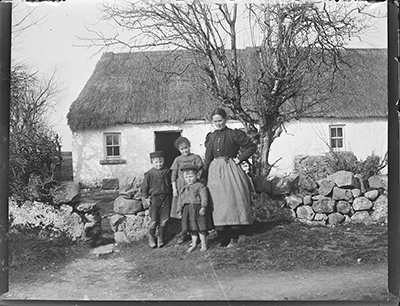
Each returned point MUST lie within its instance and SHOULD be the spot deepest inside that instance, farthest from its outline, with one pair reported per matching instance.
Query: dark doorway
(164, 141)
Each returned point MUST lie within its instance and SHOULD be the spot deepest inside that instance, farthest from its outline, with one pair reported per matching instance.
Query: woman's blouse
(182, 160)
(226, 143)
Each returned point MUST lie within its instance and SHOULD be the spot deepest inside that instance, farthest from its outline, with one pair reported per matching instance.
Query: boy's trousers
(159, 211)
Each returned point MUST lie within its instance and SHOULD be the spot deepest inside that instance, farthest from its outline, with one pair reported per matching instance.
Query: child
(196, 215)
(186, 157)
(156, 193)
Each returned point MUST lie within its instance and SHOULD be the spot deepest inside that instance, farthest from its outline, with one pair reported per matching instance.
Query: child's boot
(160, 241)
(152, 242)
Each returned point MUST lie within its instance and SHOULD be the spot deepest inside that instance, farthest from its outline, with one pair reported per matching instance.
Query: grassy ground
(273, 246)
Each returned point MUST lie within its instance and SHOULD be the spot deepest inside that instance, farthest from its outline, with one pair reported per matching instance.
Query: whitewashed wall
(303, 137)
(362, 136)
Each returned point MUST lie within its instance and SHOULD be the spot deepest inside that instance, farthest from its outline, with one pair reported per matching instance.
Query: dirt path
(112, 278)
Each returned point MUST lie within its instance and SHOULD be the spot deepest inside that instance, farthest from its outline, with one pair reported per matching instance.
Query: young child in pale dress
(186, 157)
(196, 214)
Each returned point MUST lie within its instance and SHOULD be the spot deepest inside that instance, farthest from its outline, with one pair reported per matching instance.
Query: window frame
(335, 138)
(105, 146)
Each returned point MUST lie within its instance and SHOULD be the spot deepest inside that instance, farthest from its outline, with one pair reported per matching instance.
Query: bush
(44, 219)
(371, 166)
(342, 160)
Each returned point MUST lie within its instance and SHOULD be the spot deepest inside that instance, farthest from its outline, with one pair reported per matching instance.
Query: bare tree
(295, 44)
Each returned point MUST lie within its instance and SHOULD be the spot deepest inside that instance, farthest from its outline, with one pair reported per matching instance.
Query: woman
(226, 181)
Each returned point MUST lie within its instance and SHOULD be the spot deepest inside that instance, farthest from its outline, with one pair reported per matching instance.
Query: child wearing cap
(157, 195)
(196, 215)
(186, 157)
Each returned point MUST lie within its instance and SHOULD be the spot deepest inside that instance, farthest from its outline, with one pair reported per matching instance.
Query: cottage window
(337, 137)
(112, 149)
(112, 145)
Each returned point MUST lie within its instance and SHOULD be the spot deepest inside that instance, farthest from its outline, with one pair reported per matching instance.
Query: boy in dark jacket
(157, 195)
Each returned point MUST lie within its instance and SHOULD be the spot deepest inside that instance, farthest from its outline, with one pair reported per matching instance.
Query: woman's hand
(237, 161)
(174, 191)
(202, 211)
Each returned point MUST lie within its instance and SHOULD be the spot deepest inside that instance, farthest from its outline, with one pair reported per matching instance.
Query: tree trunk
(264, 148)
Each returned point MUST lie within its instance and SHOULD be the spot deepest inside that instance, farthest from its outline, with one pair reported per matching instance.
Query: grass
(271, 245)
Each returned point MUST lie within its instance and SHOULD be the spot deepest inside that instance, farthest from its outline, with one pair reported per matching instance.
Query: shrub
(342, 160)
(371, 166)
(45, 219)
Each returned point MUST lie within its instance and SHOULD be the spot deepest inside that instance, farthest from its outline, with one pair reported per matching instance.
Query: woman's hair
(219, 111)
(180, 141)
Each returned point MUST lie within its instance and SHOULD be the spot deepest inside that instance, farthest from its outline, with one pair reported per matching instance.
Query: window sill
(112, 161)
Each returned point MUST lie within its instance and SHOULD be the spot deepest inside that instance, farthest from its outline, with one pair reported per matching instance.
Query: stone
(324, 205)
(68, 193)
(372, 195)
(104, 249)
(347, 219)
(281, 186)
(307, 200)
(120, 237)
(362, 203)
(362, 217)
(325, 187)
(380, 209)
(127, 206)
(378, 182)
(110, 184)
(305, 212)
(342, 194)
(343, 179)
(317, 197)
(136, 227)
(361, 183)
(320, 217)
(126, 182)
(88, 207)
(93, 218)
(293, 201)
(356, 192)
(306, 183)
(116, 220)
(335, 218)
(343, 207)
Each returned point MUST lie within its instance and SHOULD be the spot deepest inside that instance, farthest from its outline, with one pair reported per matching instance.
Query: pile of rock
(340, 197)
(130, 220)
(89, 226)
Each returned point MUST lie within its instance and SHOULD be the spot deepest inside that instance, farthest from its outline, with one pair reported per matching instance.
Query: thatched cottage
(132, 105)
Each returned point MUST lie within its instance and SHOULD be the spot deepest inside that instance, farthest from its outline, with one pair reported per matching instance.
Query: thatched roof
(136, 88)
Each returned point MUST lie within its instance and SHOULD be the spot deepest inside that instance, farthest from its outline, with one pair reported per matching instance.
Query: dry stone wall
(341, 197)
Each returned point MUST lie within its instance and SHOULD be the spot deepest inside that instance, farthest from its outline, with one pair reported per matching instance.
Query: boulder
(104, 249)
(68, 193)
(126, 182)
(343, 207)
(335, 218)
(361, 183)
(324, 205)
(110, 184)
(293, 201)
(88, 207)
(342, 194)
(307, 200)
(362, 203)
(380, 209)
(325, 187)
(372, 195)
(120, 237)
(320, 217)
(313, 223)
(378, 182)
(305, 212)
(344, 179)
(127, 206)
(281, 186)
(306, 183)
(136, 227)
(362, 217)
(116, 220)
(356, 192)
